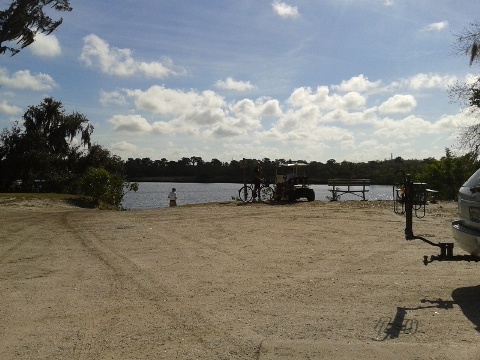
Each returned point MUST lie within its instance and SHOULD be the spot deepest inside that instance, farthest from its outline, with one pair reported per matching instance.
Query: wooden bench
(357, 187)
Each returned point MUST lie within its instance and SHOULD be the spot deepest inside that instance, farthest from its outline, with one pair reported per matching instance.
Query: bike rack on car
(410, 199)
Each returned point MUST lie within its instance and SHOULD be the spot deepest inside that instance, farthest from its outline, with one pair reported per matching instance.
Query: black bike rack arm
(412, 199)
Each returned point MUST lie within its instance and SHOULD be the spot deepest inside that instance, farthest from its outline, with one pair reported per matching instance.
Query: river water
(152, 195)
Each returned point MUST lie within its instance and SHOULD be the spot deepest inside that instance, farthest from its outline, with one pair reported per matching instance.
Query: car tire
(311, 196)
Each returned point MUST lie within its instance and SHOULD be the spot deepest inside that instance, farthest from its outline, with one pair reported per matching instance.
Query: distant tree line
(445, 175)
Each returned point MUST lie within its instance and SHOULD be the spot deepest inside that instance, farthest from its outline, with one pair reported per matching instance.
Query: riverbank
(231, 281)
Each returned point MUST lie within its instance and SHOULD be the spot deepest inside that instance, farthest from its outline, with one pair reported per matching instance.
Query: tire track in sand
(200, 337)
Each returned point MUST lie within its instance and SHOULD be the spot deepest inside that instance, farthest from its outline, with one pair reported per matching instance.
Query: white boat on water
(466, 230)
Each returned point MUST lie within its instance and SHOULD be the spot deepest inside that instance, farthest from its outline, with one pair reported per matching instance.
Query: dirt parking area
(229, 281)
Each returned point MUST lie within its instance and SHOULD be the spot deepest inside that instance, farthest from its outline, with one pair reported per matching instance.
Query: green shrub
(105, 188)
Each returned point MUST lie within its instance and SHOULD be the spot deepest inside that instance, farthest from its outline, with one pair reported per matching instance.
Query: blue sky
(354, 80)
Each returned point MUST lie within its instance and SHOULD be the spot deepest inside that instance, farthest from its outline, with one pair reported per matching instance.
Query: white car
(466, 230)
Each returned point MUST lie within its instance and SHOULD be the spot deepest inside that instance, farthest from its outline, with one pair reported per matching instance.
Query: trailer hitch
(411, 199)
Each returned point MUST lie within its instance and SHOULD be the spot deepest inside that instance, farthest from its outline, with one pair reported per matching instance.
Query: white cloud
(262, 107)
(7, 109)
(130, 123)
(367, 116)
(431, 81)
(248, 113)
(471, 79)
(436, 27)
(285, 11)
(389, 3)
(24, 80)
(226, 131)
(305, 118)
(351, 100)
(232, 84)
(322, 99)
(120, 62)
(358, 83)
(424, 81)
(187, 112)
(304, 95)
(408, 128)
(128, 150)
(45, 46)
(270, 107)
(113, 97)
(123, 146)
(194, 113)
(457, 121)
(204, 116)
(398, 104)
(171, 102)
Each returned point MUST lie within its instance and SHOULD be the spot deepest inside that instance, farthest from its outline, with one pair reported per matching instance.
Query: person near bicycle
(257, 180)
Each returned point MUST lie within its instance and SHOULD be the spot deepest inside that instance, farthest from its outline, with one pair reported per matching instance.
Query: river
(152, 195)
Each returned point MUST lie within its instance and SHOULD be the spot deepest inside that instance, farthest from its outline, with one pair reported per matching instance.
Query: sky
(314, 80)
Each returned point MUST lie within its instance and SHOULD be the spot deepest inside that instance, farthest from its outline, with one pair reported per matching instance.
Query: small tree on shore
(106, 189)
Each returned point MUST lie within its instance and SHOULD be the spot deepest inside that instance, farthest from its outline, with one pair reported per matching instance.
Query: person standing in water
(173, 197)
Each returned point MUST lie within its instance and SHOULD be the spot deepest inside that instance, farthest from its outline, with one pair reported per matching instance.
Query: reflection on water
(151, 195)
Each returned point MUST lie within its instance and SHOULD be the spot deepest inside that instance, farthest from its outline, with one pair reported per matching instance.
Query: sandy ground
(231, 281)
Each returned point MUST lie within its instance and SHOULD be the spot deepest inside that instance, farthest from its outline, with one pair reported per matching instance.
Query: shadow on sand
(468, 298)
(389, 329)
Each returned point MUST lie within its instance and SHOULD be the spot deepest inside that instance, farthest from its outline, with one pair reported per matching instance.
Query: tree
(24, 19)
(196, 160)
(448, 174)
(469, 41)
(11, 152)
(105, 188)
(468, 94)
(98, 156)
(47, 150)
(48, 120)
(43, 147)
(46, 147)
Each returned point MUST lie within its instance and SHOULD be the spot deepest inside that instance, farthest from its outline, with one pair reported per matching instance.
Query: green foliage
(24, 18)
(105, 188)
(98, 156)
(449, 173)
(43, 155)
(43, 149)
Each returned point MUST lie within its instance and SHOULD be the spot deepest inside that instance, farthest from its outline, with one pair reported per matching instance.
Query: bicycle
(266, 192)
